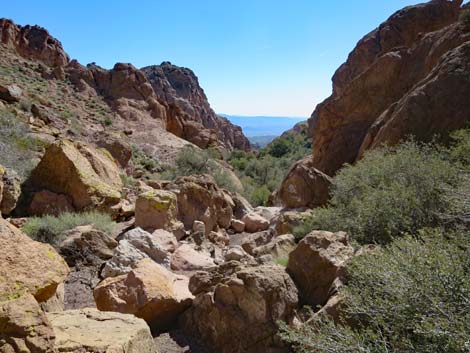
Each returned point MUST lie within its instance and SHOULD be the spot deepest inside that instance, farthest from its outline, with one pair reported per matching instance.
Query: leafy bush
(390, 192)
(48, 229)
(143, 161)
(465, 16)
(412, 296)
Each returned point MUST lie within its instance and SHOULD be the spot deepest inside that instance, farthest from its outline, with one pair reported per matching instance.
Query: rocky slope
(407, 77)
(86, 101)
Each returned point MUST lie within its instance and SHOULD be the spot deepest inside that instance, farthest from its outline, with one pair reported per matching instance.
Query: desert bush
(390, 192)
(17, 148)
(49, 229)
(142, 160)
(465, 16)
(411, 296)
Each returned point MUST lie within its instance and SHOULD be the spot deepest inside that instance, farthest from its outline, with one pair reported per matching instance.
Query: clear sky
(252, 57)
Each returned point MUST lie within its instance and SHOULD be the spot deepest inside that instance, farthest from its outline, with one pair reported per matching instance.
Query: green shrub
(465, 16)
(48, 229)
(412, 296)
(107, 121)
(144, 161)
(260, 196)
(390, 192)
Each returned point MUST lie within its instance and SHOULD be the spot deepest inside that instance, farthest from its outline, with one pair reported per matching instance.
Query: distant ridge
(263, 125)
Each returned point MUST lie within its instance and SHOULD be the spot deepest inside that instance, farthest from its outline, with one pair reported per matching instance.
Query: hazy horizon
(248, 60)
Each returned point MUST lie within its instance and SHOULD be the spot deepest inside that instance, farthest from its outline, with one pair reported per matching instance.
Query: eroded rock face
(24, 327)
(149, 291)
(382, 93)
(236, 308)
(318, 265)
(190, 115)
(11, 190)
(90, 330)
(304, 186)
(200, 199)
(89, 176)
(46, 202)
(27, 266)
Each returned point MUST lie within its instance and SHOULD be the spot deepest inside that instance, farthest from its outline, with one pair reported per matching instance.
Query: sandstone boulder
(46, 202)
(157, 209)
(87, 244)
(119, 149)
(237, 225)
(186, 258)
(24, 326)
(90, 330)
(255, 223)
(165, 239)
(149, 291)
(304, 186)
(10, 93)
(279, 247)
(237, 309)
(236, 253)
(27, 266)
(200, 199)
(135, 246)
(242, 206)
(317, 265)
(87, 175)
(11, 191)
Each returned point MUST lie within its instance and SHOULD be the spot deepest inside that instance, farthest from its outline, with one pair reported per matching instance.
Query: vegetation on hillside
(262, 172)
(412, 294)
(394, 191)
(49, 229)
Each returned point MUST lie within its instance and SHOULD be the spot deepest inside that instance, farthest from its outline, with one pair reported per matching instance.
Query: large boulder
(236, 309)
(46, 202)
(90, 330)
(318, 265)
(88, 245)
(136, 245)
(10, 93)
(255, 223)
(89, 176)
(24, 327)
(304, 186)
(279, 247)
(200, 199)
(27, 266)
(11, 190)
(157, 209)
(149, 291)
(186, 258)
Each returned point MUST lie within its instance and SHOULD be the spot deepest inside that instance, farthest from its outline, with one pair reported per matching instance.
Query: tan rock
(255, 223)
(90, 330)
(11, 191)
(149, 291)
(200, 199)
(304, 186)
(27, 266)
(119, 149)
(318, 264)
(237, 225)
(186, 258)
(24, 326)
(278, 247)
(289, 220)
(156, 209)
(87, 175)
(166, 240)
(49, 203)
(10, 93)
(236, 309)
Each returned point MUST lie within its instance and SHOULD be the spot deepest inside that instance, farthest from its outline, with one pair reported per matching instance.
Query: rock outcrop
(89, 176)
(149, 291)
(90, 330)
(304, 186)
(27, 266)
(236, 309)
(318, 265)
(24, 327)
(408, 76)
(191, 116)
(10, 190)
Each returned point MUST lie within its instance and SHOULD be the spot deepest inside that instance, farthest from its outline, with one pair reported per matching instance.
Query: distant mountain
(256, 126)
(261, 141)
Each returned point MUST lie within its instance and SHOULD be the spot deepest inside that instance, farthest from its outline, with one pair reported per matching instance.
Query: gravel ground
(177, 342)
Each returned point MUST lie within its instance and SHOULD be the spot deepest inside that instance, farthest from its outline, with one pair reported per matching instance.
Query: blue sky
(252, 57)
